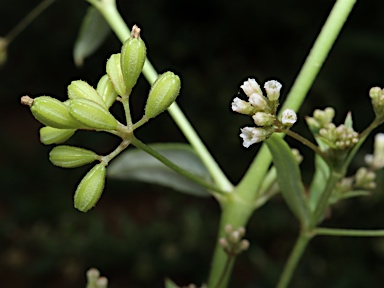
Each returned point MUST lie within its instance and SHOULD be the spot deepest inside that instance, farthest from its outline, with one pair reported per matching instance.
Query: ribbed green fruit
(52, 112)
(115, 73)
(81, 89)
(50, 135)
(92, 114)
(162, 94)
(91, 187)
(106, 90)
(133, 55)
(71, 157)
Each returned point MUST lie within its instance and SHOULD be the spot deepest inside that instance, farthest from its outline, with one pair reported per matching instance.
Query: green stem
(32, 15)
(125, 101)
(137, 143)
(304, 140)
(348, 232)
(236, 212)
(318, 54)
(296, 254)
(113, 17)
(323, 203)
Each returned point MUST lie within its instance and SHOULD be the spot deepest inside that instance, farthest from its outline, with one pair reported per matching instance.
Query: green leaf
(289, 178)
(170, 284)
(319, 181)
(93, 31)
(135, 164)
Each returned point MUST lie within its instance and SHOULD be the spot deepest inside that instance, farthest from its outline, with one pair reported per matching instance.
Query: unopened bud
(92, 114)
(115, 73)
(263, 119)
(106, 90)
(71, 157)
(133, 55)
(162, 94)
(50, 135)
(91, 187)
(273, 88)
(79, 89)
(51, 112)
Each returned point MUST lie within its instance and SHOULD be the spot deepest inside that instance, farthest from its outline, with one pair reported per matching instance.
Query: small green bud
(106, 90)
(51, 112)
(50, 135)
(71, 157)
(133, 55)
(162, 94)
(91, 187)
(81, 89)
(115, 74)
(92, 114)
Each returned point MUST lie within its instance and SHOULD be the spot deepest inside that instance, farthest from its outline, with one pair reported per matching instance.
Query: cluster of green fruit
(88, 109)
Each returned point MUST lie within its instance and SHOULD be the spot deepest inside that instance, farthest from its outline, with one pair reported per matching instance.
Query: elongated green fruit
(162, 94)
(115, 73)
(81, 89)
(106, 90)
(91, 187)
(50, 135)
(92, 114)
(71, 157)
(133, 55)
(51, 112)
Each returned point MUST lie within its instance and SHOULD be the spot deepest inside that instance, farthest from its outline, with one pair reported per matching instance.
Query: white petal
(289, 117)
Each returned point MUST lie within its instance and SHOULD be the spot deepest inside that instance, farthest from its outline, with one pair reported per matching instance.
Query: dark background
(139, 233)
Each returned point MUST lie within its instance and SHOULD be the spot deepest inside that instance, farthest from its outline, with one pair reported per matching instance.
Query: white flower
(258, 101)
(250, 86)
(252, 135)
(288, 117)
(241, 106)
(263, 119)
(273, 88)
(376, 161)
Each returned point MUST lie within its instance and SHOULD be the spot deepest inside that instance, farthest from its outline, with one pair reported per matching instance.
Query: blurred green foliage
(139, 234)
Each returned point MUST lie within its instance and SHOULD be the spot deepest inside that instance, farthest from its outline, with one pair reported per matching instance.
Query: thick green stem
(114, 19)
(296, 254)
(348, 232)
(235, 212)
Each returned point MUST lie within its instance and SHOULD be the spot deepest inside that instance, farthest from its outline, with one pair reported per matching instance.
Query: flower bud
(133, 55)
(115, 73)
(263, 119)
(89, 190)
(81, 89)
(243, 107)
(273, 88)
(106, 90)
(51, 112)
(162, 94)
(288, 117)
(50, 135)
(71, 157)
(92, 114)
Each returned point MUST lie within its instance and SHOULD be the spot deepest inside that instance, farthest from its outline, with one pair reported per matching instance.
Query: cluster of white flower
(263, 111)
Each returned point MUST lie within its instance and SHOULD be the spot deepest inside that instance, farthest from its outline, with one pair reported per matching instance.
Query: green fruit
(71, 157)
(133, 55)
(52, 112)
(91, 187)
(115, 74)
(92, 114)
(162, 94)
(106, 90)
(81, 89)
(50, 135)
